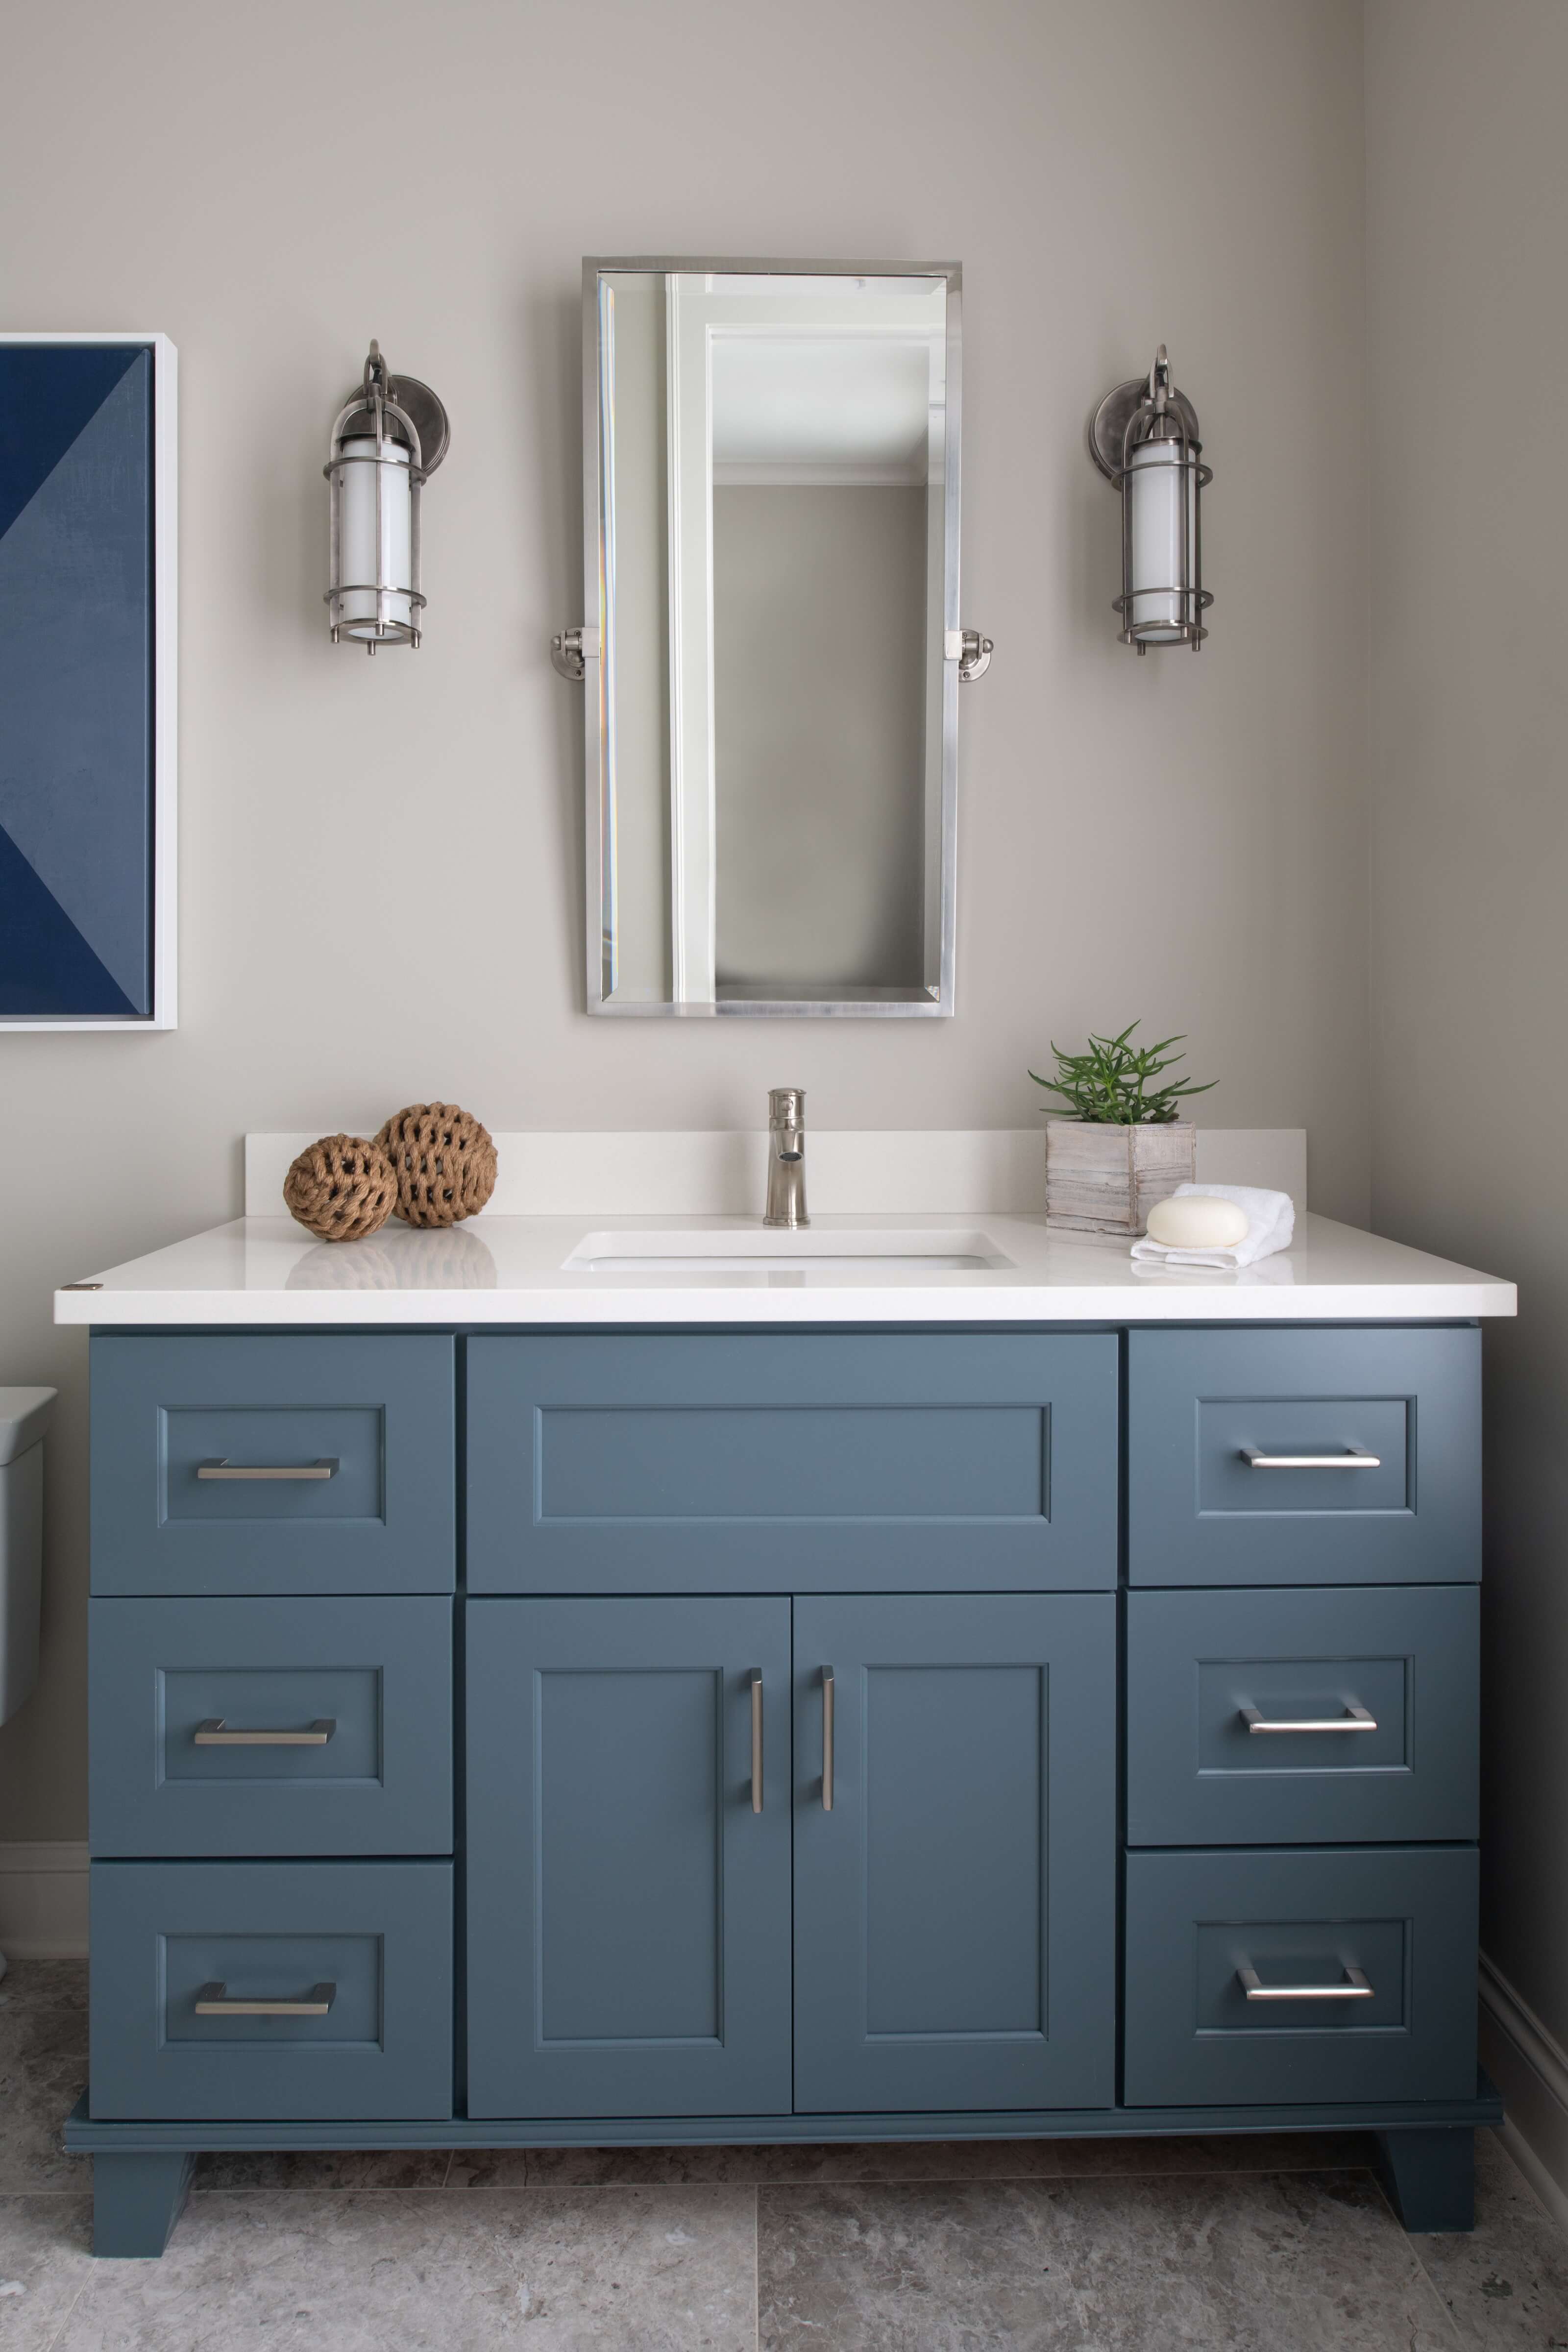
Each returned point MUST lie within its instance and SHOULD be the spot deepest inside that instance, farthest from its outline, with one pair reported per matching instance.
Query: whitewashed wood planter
(1105, 1180)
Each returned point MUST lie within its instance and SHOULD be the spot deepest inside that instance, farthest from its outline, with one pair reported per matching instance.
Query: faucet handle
(786, 1106)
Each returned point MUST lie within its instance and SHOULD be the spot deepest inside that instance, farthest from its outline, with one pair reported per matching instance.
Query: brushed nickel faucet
(787, 1156)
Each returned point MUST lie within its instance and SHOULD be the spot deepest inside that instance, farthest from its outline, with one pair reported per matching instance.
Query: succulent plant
(1110, 1086)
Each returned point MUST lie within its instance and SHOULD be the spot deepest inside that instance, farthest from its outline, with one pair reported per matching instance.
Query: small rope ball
(443, 1163)
(340, 1188)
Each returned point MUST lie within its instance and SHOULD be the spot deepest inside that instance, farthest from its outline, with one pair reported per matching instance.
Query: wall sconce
(389, 439)
(1144, 439)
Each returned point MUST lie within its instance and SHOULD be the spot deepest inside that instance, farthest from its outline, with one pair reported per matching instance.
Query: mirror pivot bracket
(572, 650)
(970, 651)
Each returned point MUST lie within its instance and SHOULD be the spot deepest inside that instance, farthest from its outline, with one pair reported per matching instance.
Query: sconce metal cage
(390, 435)
(1144, 439)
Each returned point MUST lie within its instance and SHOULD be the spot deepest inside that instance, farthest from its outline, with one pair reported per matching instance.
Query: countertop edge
(1328, 1303)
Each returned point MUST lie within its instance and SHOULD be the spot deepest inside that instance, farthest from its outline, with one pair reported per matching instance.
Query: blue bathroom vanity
(541, 1709)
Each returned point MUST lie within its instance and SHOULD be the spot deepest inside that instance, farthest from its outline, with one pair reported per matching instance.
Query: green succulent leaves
(1111, 1085)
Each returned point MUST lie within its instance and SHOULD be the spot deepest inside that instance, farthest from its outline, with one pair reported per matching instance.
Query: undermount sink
(802, 1253)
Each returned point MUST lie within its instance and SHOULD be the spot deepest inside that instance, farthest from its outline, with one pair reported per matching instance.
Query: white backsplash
(850, 1172)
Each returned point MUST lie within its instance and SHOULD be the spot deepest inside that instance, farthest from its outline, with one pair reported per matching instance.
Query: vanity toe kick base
(960, 1734)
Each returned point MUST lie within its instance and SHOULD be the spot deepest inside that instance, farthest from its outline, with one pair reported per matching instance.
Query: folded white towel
(1270, 1224)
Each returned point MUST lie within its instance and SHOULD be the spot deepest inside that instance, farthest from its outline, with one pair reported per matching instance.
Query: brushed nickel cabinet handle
(756, 1681)
(216, 2000)
(278, 1471)
(1354, 1718)
(215, 1733)
(1354, 1987)
(1352, 1459)
(827, 1739)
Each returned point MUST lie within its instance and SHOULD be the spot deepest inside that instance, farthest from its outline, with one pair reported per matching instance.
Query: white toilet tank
(23, 1417)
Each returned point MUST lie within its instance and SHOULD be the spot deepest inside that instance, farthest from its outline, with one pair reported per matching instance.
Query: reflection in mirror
(772, 525)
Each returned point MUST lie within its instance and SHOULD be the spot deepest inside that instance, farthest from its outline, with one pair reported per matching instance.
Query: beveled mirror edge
(937, 1003)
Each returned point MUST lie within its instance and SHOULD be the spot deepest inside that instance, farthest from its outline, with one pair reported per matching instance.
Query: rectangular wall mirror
(770, 473)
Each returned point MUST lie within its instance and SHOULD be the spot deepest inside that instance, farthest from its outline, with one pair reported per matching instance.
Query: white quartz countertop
(507, 1269)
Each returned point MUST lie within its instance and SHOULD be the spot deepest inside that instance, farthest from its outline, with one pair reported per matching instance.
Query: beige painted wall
(381, 861)
(1467, 226)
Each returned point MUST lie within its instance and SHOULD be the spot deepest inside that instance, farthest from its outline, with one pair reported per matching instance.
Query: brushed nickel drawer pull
(1354, 1987)
(1354, 1718)
(216, 2000)
(214, 1733)
(827, 1739)
(756, 1680)
(223, 1468)
(1354, 1459)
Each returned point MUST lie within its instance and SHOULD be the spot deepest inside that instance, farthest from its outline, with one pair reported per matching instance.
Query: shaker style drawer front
(1304, 1457)
(272, 1726)
(269, 1464)
(1285, 1716)
(1256, 1976)
(271, 1990)
(794, 1462)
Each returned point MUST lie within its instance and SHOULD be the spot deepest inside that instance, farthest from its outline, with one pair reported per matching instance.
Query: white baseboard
(853, 1172)
(1531, 2069)
(42, 1900)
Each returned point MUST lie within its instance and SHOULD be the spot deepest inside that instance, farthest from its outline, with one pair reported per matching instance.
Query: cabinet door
(954, 1916)
(628, 1904)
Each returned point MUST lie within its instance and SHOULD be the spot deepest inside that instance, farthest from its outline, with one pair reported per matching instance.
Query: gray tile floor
(1271, 2245)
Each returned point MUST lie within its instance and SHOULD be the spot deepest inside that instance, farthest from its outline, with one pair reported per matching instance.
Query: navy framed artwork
(88, 925)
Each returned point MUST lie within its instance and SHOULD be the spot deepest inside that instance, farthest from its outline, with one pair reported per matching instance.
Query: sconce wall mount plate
(425, 411)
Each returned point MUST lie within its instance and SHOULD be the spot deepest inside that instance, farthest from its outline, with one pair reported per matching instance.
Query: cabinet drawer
(1209, 1672)
(273, 1465)
(1304, 1457)
(346, 1969)
(1388, 1934)
(794, 1462)
(272, 1726)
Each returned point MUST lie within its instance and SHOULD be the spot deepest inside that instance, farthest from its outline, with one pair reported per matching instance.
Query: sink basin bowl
(819, 1253)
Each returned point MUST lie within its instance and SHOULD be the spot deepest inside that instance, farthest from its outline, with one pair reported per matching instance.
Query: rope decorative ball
(443, 1162)
(341, 1187)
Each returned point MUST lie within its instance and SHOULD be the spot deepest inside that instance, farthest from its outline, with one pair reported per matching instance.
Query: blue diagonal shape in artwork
(76, 682)
(47, 392)
(45, 965)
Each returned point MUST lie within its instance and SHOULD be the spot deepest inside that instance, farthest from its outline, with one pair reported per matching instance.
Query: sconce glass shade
(1144, 439)
(379, 461)
(1160, 499)
(377, 502)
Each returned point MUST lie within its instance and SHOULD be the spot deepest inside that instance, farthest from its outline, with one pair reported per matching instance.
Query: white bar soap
(1197, 1221)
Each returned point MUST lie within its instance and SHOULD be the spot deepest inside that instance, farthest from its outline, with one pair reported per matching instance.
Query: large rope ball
(443, 1162)
(341, 1187)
